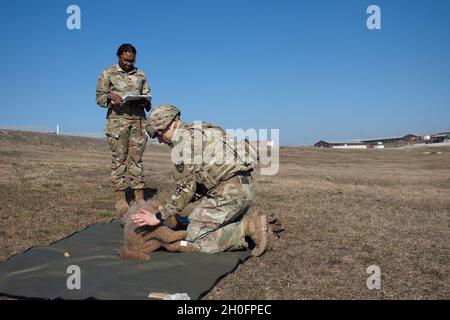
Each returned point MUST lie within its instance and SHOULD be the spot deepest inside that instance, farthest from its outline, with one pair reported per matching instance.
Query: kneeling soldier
(225, 186)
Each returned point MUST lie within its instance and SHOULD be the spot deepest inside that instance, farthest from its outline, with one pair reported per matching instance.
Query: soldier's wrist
(165, 213)
(159, 216)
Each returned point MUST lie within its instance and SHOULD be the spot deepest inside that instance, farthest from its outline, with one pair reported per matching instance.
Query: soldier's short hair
(126, 47)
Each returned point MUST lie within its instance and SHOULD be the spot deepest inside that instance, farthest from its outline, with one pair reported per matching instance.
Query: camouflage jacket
(203, 156)
(116, 79)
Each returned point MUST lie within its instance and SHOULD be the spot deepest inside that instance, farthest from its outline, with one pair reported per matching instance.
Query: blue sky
(310, 68)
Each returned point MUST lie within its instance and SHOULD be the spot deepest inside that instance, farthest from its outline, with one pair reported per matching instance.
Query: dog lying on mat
(139, 242)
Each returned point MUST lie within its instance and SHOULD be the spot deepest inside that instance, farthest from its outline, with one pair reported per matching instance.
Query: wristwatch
(159, 216)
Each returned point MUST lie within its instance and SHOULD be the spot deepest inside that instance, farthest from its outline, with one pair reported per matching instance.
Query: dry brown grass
(343, 211)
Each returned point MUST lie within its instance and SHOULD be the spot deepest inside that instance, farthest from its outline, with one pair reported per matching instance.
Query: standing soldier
(208, 166)
(125, 126)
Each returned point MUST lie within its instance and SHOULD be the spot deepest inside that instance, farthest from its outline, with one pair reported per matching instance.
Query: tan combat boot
(139, 196)
(121, 203)
(255, 227)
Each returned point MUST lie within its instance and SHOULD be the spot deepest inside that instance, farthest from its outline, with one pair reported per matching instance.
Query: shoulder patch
(180, 167)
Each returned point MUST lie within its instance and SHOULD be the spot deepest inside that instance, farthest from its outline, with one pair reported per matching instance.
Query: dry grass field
(342, 210)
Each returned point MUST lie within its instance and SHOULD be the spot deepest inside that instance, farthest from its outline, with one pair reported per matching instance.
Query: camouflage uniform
(125, 126)
(225, 190)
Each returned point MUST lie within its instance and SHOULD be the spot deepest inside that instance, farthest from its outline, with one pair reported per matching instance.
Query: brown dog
(139, 242)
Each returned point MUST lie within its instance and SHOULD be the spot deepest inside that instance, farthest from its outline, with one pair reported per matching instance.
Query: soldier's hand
(115, 98)
(145, 218)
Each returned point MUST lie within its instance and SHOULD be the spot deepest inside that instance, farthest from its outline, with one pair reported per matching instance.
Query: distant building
(322, 144)
(425, 138)
(378, 145)
(340, 144)
(392, 140)
(441, 137)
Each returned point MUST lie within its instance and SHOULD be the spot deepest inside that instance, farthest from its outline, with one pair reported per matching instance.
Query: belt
(243, 177)
(128, 108)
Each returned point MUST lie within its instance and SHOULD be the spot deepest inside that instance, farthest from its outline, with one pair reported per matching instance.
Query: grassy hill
(343, 210)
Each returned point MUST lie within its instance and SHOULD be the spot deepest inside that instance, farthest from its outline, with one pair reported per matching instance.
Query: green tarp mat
(42, 271)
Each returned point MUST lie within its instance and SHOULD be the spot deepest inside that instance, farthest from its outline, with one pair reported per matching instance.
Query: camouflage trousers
(215, 224)
(127, 139)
